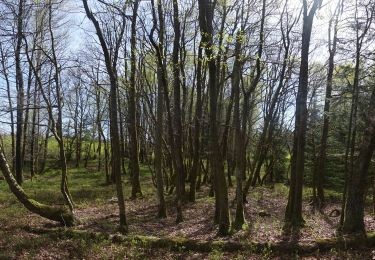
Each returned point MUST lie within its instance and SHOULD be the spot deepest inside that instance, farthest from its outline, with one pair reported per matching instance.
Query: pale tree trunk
(20, 95)
(239, 137)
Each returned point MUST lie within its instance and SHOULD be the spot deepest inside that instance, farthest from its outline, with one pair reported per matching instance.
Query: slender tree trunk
(197, 129)
(134, 149)
(162, 211)
(180, 180)
(323, 142)
(20, 95)
(114, 131)
(239, 137)
(10, 103)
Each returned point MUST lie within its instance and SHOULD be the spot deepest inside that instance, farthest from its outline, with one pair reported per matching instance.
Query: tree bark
(355, 200)
(62, 215)
(114, 131)
(206, 13)
(134, 149)
(293, 213)
(20, 95)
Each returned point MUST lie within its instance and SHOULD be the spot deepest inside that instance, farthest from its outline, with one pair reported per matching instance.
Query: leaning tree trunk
(59, 214)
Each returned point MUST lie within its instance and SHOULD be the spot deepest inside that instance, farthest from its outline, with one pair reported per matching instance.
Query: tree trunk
(134, 149)
(197, 129)
(180, 180)
(206, 12)
(20, 95)
(239, 137)
(293, 213)
(114, 131)
(162, 211)
(355, 200)
(62, 215)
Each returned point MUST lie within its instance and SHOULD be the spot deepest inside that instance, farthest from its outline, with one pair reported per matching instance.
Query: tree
(134, 150)
(59, 214)
(180, 180)
(353, 222)
(332, 48)
(206, 13)
(293, 213)
(20, 94)
(111, 63)
(162, 212)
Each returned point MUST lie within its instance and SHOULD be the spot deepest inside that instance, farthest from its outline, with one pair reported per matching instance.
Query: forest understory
(24, 235)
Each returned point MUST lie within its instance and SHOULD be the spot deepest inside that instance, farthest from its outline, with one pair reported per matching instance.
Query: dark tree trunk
(355, 200)
(134, 149)
(197, 128)
(206, 12)
(113, 118)
(162, 211)
(293, 213)
(180, 181)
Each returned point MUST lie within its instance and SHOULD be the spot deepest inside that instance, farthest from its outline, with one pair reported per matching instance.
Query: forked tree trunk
(206, 13)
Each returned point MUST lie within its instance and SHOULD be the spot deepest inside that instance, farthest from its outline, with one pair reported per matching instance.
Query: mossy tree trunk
(59, 214)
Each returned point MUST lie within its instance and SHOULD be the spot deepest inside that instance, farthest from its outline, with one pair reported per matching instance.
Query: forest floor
(96, 207)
